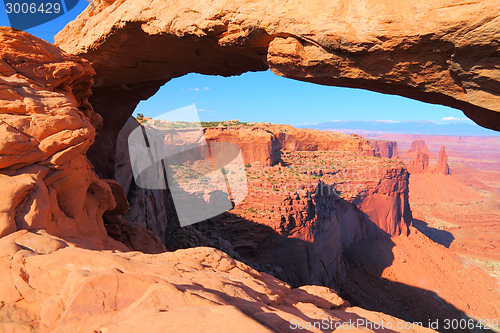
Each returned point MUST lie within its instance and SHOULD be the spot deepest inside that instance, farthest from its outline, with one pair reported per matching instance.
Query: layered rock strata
(420, 164)
(416, 146)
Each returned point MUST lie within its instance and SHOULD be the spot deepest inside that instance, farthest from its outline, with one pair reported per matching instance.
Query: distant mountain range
(405, 127)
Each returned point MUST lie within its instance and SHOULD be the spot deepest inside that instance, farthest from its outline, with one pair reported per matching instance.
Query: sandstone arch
(444, 52)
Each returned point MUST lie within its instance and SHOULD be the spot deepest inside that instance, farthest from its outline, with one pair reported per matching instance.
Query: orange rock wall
(46, 127)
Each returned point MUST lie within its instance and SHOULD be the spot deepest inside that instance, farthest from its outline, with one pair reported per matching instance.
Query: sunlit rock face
(435, 51)
(46, 126)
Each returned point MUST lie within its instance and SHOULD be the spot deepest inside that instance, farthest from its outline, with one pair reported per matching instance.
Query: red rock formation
(385, 149)
(442, 164)
(420, 164)
(52, 283)
(444, 61)
(296, 139)
(416, 146)
(387, 203)
(308, 229)
(264, 149)
(309, 226)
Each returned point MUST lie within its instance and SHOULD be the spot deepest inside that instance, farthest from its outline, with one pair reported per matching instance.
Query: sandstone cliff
(385, 149)
(420, 164)
(257, 144)
(46, 127)
(262, 142)
(442, 164)
(195, 290)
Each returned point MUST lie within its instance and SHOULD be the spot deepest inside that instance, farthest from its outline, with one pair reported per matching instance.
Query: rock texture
(257, 144)
(437, 52)
(263, 142)
(59, 270)
(303, 233)
(195, 290)
(46, 126)
(385, 149)
(420, 164)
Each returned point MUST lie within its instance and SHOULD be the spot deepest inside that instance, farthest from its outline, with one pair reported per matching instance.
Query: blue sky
(48, 30)
(264, 96)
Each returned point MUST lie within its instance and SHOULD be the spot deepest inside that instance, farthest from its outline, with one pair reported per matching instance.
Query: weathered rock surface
(263, 142)
(414, 270)
(385, 149)
(46, 126)
(304, 232)
(296, 139)
(150, 209)
(49, 285)
(437, 52)
(256, 144)
(62, 273)
(289, 221)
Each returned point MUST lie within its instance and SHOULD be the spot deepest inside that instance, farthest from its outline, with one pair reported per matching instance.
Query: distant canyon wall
(263, 142)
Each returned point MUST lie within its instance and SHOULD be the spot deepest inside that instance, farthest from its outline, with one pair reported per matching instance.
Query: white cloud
(388, 121)
(453, 119)
(198, 89)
